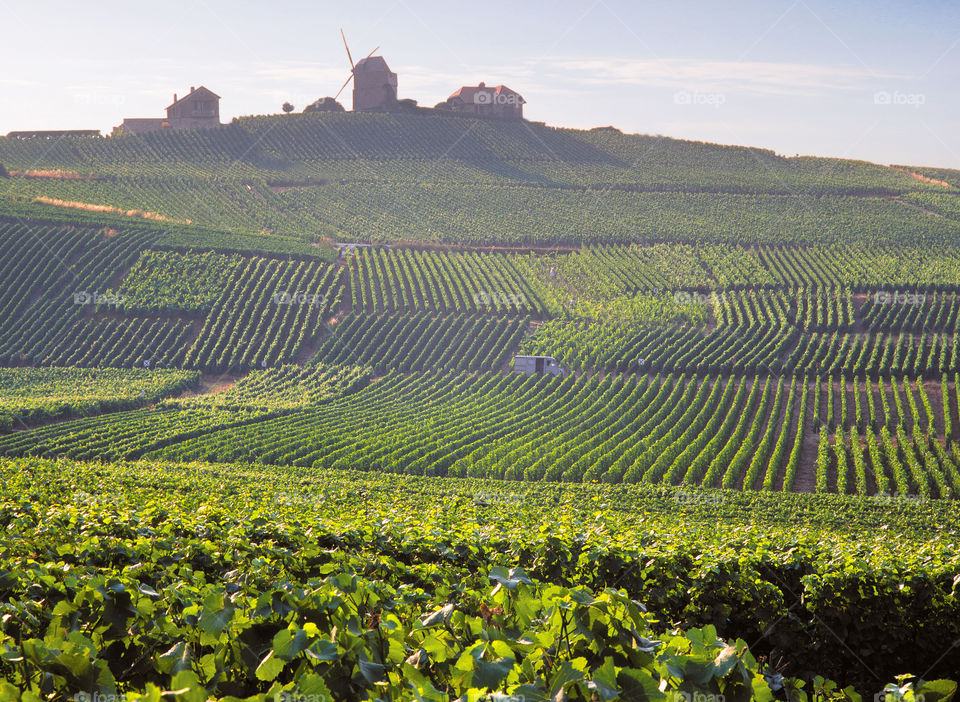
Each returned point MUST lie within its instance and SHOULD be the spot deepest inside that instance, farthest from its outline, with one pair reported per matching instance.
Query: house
(198, 109)
(374, 85)
(498, 101)
(538, 365)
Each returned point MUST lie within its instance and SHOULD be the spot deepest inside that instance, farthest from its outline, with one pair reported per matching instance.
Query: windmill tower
(374, 84)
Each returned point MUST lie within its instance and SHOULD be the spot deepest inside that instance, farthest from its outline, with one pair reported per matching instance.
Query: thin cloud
(756, 77)
(17, 82)
(302, 72)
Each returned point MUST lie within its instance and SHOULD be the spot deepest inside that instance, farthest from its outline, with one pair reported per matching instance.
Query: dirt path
(918, 207)
(492, 248)
(214, 382)
(921, 177)
(257, 193)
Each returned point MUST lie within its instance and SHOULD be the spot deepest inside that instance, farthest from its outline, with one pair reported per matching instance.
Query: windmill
(353, 68)
(374, 85)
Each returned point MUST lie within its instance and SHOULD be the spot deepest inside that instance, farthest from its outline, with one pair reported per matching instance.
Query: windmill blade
(372, 52)
(343, 86)
(347, 48)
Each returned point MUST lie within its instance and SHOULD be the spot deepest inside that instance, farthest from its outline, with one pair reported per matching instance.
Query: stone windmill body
(374, 84)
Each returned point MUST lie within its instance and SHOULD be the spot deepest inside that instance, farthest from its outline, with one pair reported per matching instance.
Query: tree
(327, 104)
(287, 107)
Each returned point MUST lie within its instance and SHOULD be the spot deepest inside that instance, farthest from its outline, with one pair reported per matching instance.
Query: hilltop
(388, 177)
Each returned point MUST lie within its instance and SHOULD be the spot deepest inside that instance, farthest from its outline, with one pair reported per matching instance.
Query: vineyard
(292, 582)
(36, 394)
(263, 435)
(864, 438)
(286, 387)
(421, 342)
(266, 313)
(384, 281)
(417, 178)
(169, 282)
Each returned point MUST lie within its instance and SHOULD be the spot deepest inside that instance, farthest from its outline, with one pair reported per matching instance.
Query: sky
(877, 80)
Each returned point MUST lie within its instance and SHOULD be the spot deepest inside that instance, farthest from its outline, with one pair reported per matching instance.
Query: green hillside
(247, 457)
(355, 176)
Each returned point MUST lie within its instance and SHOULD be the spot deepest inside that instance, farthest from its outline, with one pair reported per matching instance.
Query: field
(261, 438)
(241, 578)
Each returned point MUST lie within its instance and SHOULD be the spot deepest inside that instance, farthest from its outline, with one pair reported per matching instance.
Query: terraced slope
(440, 178)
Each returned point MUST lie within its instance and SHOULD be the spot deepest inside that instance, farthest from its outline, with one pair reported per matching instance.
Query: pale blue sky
(877, 80)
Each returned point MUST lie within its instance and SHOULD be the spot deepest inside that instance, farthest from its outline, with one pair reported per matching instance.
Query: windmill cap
(372, 63)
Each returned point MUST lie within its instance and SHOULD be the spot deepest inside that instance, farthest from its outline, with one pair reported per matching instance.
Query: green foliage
(642, 310)
(391, 177)
(488, 215)
(709, 304)
(284, 388)
(742, 432)
(267, 312)
(53, 279)
(422, 342)
(350, 146)
(163, 281)
(32, 394)
(170, 234)
(240, 581)
(390, 281)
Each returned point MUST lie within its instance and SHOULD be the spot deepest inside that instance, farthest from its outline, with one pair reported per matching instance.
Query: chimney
(174, 97)
(482, 85)
(192, 88)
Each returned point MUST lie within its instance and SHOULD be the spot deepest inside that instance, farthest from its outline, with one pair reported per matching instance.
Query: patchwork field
(262, 436)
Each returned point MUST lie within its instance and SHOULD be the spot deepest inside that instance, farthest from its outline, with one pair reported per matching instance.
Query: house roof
(194, 93)
(144, 121)
(467, 92)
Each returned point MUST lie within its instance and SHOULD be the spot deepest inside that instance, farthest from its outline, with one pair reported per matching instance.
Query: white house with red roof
(490, 101)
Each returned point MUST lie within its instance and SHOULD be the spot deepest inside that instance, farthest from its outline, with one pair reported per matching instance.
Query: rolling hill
(261, 433)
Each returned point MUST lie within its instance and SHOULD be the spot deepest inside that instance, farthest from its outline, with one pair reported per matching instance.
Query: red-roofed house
(497, 101)
(198, 109)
